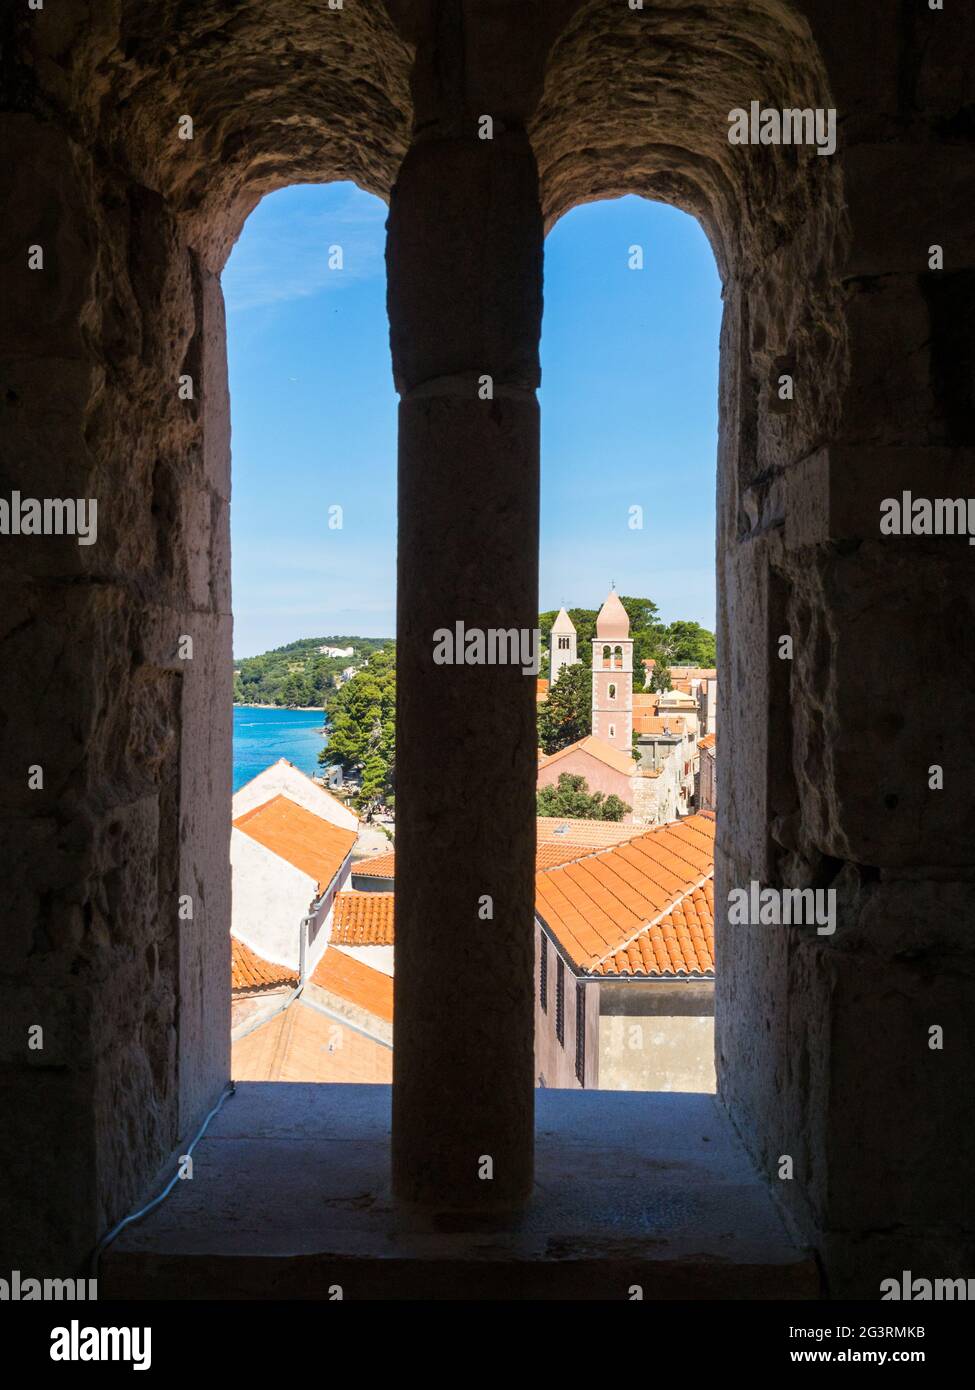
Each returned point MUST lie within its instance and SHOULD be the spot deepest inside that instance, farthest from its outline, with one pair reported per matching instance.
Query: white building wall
(269, 899)
(284, 779)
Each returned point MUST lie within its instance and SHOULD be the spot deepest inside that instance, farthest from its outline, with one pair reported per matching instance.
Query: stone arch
(278, 94)
(138, 224)
(614, 100)
(637, 102)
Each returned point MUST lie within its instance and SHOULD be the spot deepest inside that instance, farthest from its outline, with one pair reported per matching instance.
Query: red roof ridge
(681, 897)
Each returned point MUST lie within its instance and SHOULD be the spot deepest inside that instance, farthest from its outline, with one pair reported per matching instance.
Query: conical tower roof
(563, 623)
(613, 621)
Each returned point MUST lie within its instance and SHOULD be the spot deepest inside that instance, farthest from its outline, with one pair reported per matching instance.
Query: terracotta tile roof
(553, 850)
(311, 844)
(381, 866)
(686, 673)
(596, 748)
(541, 688)
(593, 834)
(548, 855)
(708, 741)
(301, 1044)
(655, 723)
(680, 943)
(249, 971)
(598, 905)
(362, 919)
(355, 982)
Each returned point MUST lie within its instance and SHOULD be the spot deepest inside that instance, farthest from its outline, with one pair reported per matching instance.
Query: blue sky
(628, 398)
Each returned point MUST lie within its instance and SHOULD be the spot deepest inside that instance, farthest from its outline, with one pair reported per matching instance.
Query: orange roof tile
(686, 673)
(708, 741)
(548, 853)
(315, 846)
(249, 971)
(382, 866)
(362, 919)
(596, 748)
(541, 688)
(598, 905)
(658, 723)
(644, 906)
(680, 943)
(593, 834)
(355, 982)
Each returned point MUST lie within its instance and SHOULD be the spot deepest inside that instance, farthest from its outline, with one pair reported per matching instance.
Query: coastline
(298, 709)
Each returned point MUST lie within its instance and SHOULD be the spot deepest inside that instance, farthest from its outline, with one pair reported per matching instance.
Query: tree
(687, 644)
(573, 799)
(295, 692)
(660, 677)
(566, 715)
(362, 728)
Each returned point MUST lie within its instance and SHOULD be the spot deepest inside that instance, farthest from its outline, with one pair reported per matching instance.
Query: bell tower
(612, 676)
(562, 645)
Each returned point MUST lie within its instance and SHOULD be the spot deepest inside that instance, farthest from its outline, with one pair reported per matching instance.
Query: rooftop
(249, 971)
(552, 849)
(593, 834)
(597, 906)
(313, 845)
(363, 919)
(596, 748)
(355, 982)
(679, 943)
(380, 866)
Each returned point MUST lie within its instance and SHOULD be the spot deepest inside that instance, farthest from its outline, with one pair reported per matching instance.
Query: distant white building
(290, 853)
(336, 651)
(349, 672)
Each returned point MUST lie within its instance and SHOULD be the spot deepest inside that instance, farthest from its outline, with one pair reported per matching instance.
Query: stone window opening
(144, 222)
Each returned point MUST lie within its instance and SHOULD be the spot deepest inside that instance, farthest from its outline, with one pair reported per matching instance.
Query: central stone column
(465, 266)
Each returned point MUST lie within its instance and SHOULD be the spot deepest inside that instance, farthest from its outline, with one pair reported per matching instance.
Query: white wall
(378, 957)
(283, 778)
(269, 899)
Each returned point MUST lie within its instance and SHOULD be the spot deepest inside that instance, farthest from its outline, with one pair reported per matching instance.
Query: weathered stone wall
(133, 740)
(822, 1042)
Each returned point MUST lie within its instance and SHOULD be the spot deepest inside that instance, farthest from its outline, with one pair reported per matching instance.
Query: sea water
(261, 736)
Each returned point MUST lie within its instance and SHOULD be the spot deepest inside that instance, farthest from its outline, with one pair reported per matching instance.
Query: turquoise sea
(261, 736)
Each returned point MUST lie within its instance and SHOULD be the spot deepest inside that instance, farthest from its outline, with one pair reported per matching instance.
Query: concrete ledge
(290, 1196)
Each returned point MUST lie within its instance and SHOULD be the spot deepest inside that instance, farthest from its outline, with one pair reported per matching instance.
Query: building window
(543, 973)
(560, 999)
(580, 1034)
(612, 730)
(612, 692)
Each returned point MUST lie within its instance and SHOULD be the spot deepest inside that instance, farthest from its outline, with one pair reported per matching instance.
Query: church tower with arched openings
(612, 676)
(562, 645)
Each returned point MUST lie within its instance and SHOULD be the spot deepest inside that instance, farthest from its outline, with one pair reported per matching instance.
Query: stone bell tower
(612, 676)
(562, 645)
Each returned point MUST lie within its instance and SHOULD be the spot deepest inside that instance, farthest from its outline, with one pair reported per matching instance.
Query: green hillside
(298, 674)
